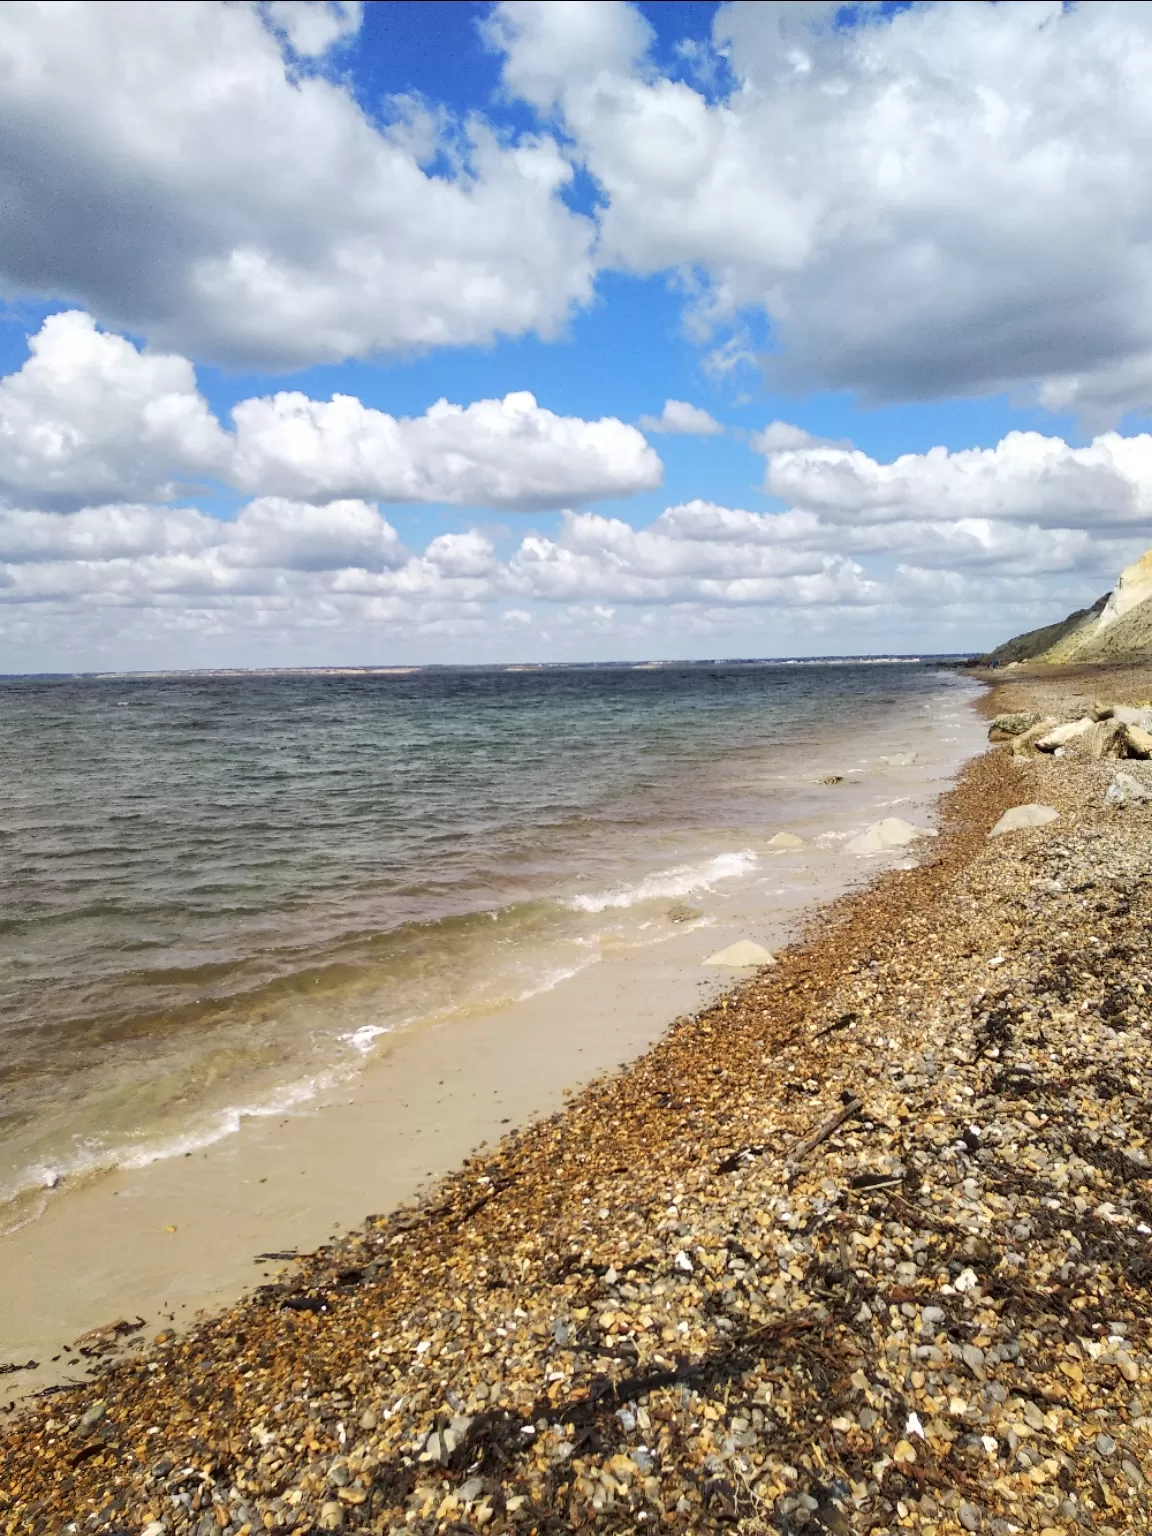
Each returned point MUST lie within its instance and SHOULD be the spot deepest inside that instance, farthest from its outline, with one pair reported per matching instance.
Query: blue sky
(834, 322)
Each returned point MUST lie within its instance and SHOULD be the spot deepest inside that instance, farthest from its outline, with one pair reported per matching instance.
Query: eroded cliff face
(1118, 627)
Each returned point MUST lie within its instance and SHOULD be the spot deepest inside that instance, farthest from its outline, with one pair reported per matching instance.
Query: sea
(219, 893)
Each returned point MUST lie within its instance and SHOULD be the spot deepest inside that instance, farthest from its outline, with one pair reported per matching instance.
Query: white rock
(785, 840)
(1061, 735)
(743, 952)
(885, 835)
(1130, 714)
(1126, 789)
(1022, 816)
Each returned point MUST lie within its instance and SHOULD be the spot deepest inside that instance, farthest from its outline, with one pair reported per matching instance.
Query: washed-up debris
(774, 1278)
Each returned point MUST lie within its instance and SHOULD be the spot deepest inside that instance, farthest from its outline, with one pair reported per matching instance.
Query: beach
(860, 1245)
(264, 1115)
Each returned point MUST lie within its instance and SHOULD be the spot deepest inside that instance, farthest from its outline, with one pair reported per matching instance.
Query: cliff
(1118, 627)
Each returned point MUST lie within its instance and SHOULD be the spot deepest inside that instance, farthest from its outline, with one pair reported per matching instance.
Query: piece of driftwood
(822, 1132)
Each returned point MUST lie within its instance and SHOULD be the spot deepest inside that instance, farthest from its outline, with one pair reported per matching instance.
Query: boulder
(1061, 735)
(1107, 738)
(1126, 789)
(1023, 816)
(1006, 726)
(1138, 741)
(884, 836)
(1024, 745)
(1133, 714)
(785, 840)
(743, 952)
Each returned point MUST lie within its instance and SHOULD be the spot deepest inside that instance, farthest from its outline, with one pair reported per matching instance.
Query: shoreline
(861, 1245)
(166, 1241)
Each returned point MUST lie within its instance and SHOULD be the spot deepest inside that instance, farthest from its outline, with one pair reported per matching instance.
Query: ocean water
(221, 891)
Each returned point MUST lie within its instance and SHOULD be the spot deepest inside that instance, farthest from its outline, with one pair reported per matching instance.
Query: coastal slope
(1116, 628)
(863, 1246)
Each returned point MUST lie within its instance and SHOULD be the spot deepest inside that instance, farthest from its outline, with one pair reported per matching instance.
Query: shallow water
(220, 891)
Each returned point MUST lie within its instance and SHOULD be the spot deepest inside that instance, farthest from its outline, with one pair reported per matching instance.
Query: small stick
(822, 1132)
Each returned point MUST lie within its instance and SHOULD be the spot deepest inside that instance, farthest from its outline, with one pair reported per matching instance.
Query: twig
(822, 1132)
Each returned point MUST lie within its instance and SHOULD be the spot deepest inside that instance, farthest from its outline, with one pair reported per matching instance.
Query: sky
(567, 330)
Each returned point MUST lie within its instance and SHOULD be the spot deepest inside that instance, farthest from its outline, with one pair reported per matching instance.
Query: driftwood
(801, 1150)
(822, 1132)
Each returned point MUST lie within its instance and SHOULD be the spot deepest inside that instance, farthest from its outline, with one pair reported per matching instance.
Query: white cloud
(1026, 477)
(508, 453)
(937, 550)
(915, 200)
(679, 416)
(170, 168)
(313, 26)
(778, 435)
(89, 418)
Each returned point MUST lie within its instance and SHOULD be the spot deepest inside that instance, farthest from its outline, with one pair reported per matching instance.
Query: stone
(884, 836)
(785, 840)
(1126, 789)
(155, 1528)
(368, 1419)
(743, 952)
(1006, 726)
(969, 1517)
(1105, 1445)
(1021, 817)
(1106, 739)
(1131, 714)
(93, 1415)
(1061, 735)
(1138, 740)
(682, 913)
(331, 1517)
(1024, 745)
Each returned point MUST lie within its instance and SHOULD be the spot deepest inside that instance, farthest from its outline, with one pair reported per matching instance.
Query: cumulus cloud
(679, 416)
(89, 418)
(508, 453)
(948, 549)
(179, 172)
(914, 200)
(1026, 477)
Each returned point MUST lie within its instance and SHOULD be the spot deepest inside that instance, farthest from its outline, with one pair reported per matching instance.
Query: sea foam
(664, 884)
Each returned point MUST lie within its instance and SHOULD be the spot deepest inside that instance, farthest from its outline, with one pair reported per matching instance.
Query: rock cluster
(866, 1246)
(1103, 731)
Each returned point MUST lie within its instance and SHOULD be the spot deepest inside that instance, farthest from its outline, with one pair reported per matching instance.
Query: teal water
(219, 891)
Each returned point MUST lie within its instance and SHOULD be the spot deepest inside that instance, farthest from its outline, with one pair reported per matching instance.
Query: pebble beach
(864, 1246)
